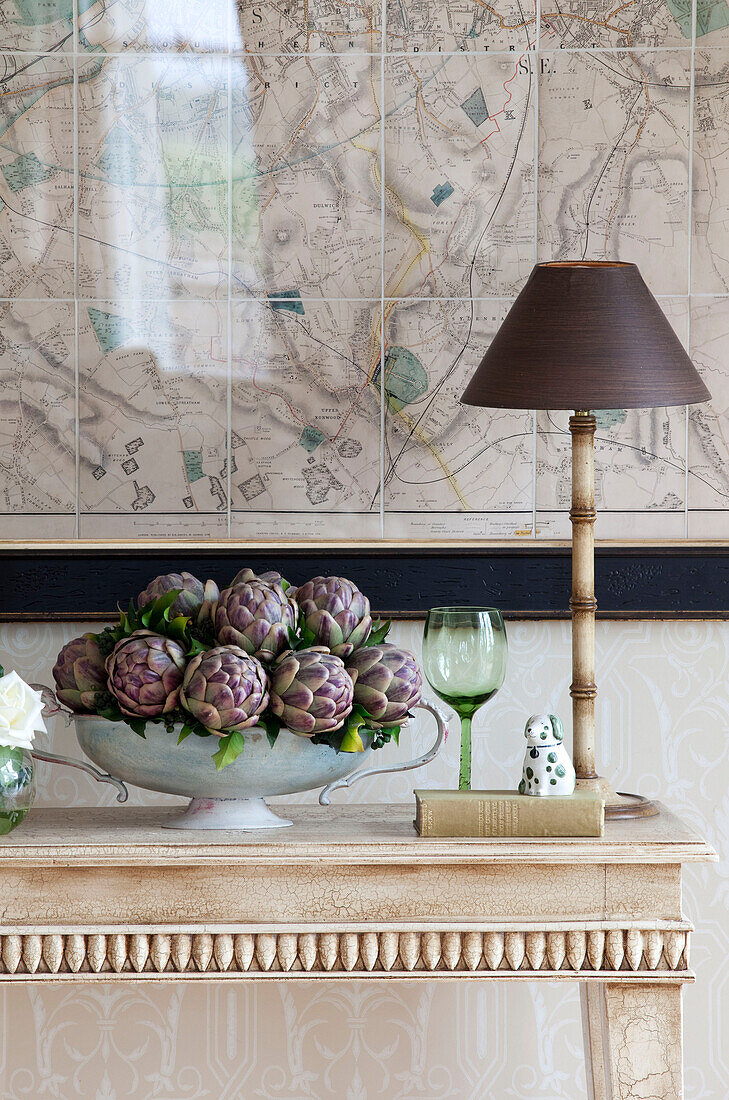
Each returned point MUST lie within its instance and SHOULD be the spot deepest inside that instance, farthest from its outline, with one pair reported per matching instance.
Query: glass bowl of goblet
(464, 661)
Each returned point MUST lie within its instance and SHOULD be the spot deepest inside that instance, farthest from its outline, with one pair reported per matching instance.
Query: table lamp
(586, 335)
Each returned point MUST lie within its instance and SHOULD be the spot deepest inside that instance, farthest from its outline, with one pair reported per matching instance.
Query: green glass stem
(464, 774)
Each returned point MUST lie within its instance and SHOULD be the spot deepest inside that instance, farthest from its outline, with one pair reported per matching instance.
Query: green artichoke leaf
(391, 733)
(111, 712)
(196, 647)
(189, 725)
(351, 742)
(352, 738)
(139, 725)
(307, 639)
(231, 746)
(129, 621)
(285, 584)
(358, 711)
(272, 725)
(380, 630)
(2, 671)
(160, 603)
(154, 615)
(176, 628)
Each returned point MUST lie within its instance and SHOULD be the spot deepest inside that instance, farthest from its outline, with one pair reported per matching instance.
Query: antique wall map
(250, 255)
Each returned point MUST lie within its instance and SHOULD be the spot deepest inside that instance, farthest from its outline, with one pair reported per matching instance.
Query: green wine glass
(464, 661)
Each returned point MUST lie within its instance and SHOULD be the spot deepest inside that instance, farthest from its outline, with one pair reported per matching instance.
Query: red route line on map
(300, 420)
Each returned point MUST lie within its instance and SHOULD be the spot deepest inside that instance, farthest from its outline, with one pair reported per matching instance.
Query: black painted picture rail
(525, 582)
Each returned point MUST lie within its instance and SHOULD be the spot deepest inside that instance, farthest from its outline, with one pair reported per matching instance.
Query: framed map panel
(251, 252)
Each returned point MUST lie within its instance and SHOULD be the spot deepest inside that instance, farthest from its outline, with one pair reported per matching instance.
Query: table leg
(633, 1042)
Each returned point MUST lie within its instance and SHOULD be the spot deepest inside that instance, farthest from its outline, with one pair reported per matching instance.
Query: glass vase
(17, 786)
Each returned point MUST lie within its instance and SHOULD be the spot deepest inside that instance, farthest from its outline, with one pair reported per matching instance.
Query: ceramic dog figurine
(547, 766)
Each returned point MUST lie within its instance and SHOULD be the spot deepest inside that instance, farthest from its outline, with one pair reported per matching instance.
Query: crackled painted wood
(109, 895)
(356, 835)
(356, 864)
(633, 1041)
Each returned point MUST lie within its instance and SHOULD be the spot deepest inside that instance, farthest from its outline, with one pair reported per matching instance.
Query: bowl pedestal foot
(227, 813)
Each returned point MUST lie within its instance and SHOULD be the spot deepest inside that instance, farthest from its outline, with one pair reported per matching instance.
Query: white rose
(20, 712)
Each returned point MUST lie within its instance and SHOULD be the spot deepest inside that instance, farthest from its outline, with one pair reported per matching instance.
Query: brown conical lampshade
(585, 335)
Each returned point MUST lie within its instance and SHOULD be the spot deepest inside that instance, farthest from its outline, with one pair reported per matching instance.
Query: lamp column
(583, 604)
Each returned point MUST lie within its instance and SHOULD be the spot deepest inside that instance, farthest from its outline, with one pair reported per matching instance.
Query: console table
(351, 891)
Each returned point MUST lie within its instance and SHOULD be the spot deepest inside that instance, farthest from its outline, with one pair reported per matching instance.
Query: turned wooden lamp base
(630, 805)
(583, 606)
(618, 804)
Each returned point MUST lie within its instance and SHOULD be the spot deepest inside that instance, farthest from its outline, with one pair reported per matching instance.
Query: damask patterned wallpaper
(251, 251)
(663, 712)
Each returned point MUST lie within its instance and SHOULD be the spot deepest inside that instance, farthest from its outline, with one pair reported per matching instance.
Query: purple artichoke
(311, 691)
(245, 576)
(225, 689)
(387, 682)
(145, 673)
(80, 675)
(211, 592)
(255, 616)
(189, 600)
(336, 613)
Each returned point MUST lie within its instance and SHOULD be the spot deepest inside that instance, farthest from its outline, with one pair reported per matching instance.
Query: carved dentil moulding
(599, 949)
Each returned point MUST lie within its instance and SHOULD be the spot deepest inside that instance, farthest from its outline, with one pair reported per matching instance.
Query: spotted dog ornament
(547, 766)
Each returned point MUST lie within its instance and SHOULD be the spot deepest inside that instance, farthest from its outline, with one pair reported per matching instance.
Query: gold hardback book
(506, 813)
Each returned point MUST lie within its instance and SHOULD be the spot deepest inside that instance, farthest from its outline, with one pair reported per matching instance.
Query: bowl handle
(418, 762)
(51, 706)
(96, 773)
